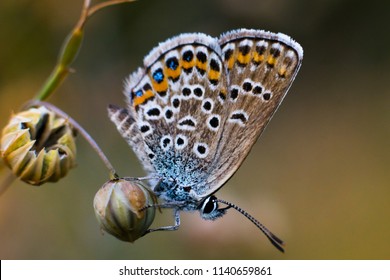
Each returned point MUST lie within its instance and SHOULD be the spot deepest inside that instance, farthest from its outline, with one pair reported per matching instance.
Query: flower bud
(38, 146)
(120, 208)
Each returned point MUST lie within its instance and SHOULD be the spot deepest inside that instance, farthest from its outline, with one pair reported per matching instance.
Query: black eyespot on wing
(154, 112)
(176, 103)
(214, 65)
(144, 128)
(201, 149)
(162, 93)
(158, 75)
(188, 55)
(198, 92)
(147, 87)
(244, 50)
(228, 54)
(172, 63)
(168, 114)
(222, 96)
(239, 116)
(186, 91)
(201, 56)
(257, 90)
(207, 106)
(267, 96)
(214, 122)
(275, 52)
(180, 141)
(247, 86)
(261, 49)
(234, 93)
(166, 142)
(188, 122)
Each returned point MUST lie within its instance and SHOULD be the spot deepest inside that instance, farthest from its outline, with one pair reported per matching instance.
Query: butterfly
(198, 106)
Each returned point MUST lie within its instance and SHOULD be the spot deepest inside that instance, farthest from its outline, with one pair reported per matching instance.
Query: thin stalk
(6, 179)
(100, 6)
(70, 49)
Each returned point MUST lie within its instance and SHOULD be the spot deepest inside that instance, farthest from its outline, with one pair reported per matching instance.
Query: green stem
(53, 82)
(103, 5)
(67, 55)
(71, 48)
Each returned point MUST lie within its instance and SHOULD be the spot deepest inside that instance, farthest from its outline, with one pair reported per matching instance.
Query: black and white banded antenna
(276, 241)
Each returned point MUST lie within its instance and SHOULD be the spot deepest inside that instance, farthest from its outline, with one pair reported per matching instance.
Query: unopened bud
(121, 208)
(38, 146)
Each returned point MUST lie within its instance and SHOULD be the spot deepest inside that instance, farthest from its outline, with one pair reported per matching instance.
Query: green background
(318, 177)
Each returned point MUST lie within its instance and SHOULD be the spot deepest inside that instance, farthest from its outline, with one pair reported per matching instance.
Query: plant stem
(100, 6)
(70, 48)
(6, 178)
(53, 82)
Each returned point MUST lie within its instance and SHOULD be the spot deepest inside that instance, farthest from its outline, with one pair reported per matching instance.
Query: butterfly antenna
(276, 241)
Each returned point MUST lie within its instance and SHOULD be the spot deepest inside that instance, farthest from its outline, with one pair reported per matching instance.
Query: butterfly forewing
(261, 67)
(177, 104)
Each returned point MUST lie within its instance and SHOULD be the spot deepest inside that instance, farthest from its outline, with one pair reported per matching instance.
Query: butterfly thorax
(181, 180)
(182, 196)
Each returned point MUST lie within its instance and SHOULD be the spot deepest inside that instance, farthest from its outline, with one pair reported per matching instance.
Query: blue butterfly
(197, 107)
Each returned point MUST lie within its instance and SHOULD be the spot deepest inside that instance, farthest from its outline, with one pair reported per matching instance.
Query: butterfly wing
(127, 127)
(175, 112)
(260, 67)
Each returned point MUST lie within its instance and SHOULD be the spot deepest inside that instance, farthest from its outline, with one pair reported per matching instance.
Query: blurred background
(318, 177)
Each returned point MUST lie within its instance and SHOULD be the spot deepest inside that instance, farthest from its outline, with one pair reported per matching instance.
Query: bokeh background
(318, 177)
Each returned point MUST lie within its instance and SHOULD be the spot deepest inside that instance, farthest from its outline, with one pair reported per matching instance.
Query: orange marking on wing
(243, 59)
(214, 75)
(258, 58)
(173, 73)
(139, 100)
(188, 64)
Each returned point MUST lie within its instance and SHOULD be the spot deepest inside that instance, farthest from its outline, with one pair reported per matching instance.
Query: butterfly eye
(209, 205)
(209, 209)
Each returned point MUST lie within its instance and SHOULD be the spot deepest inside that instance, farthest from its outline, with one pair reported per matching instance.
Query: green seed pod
(38, 146)
(120, 208)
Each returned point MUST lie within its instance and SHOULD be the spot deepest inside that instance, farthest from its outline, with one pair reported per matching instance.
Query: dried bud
(120, 208)
(38, 146)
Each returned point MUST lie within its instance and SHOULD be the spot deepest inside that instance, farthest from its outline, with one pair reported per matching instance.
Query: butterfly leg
(170, 228)
(142, 178)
